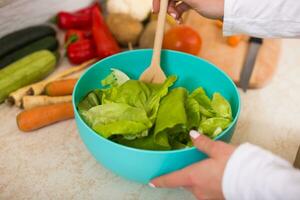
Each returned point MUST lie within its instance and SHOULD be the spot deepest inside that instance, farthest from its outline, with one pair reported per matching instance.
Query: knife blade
(254, 45)
(297, 159)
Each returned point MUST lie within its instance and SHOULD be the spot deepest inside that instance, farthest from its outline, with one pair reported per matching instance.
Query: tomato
(182, 38)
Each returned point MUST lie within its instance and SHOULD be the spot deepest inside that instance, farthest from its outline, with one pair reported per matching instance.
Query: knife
(254, 45)
(297, 159)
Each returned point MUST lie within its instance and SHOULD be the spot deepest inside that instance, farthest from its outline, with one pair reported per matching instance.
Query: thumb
(204, 143)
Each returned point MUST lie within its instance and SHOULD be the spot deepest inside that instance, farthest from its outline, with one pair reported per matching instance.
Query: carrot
(38, 117)
(60, 87)
(233, 41)
(39, 87)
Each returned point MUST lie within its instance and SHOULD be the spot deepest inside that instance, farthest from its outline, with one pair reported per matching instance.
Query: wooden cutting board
(231, 59)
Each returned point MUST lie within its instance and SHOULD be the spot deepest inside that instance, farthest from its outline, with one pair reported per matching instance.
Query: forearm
(262, 18)
(253, 173)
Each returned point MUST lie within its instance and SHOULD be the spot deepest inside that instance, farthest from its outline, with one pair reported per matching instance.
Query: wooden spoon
(154, 73)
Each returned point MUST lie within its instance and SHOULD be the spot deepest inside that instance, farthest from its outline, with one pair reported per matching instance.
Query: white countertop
(53, 163)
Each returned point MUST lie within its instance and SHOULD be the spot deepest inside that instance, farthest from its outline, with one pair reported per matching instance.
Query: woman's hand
(213, 9)
(203, 179)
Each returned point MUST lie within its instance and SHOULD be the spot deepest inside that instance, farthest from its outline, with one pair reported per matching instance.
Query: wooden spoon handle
(159, 32)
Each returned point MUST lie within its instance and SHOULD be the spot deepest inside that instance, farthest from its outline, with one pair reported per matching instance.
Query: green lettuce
(146, 142)
(193, 113)
(214, 126)
(115, 78)
(204, 102)
(91, 100)
(138, 94)
(171, 116)
(118, 119)
(221, 106)
(150, 116)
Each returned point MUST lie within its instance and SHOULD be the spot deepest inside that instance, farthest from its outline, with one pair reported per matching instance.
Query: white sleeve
(262, 18)
(253, 173)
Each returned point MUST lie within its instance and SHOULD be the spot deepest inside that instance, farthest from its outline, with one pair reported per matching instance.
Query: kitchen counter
(53, 163)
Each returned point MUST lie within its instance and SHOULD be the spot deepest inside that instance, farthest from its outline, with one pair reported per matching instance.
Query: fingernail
(151, 185)
(173, 15)
(194, 134)
(152, 10)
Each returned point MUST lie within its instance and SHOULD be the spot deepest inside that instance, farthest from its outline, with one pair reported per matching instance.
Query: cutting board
(231, 59)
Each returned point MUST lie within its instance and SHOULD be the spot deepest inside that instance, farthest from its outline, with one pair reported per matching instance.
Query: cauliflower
(137, 9)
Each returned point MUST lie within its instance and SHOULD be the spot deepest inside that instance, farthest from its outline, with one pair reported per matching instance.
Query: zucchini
(48, 43)
(25, 71)
(20, 38)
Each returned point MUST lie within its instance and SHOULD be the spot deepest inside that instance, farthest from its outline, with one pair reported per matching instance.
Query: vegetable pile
(48, 101)
(96, 32)
(87, 34)
(151, 116)
(28, 57)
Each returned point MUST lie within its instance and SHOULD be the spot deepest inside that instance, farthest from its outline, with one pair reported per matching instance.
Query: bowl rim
(234, 121)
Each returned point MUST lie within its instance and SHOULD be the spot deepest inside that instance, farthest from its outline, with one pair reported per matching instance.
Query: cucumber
(30, 69)
(48, 43)
(20, 38)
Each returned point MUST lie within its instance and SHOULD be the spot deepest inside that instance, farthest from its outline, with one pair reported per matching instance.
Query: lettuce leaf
(221, 106)
(92, 99)
(171, 116)
(193, 113)
(204, 102)
(138, 94)
(115, 78)
(147, 143)
(214, 126)
(117, 119)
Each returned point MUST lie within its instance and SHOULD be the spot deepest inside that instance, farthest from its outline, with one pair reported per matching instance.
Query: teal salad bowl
(143, 165)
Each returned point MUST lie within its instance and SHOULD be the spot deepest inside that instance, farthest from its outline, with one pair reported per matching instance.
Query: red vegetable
(105, 42)
(81, 19)
(81, 51)
(74, 35)
(88, 10)
(182, 38)
(67, 20)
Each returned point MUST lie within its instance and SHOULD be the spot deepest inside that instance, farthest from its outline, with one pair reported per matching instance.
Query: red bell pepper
(67, 20)
(105, 42)
(88, 10)
(81, 51)
(74, 35)
(81, 19)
